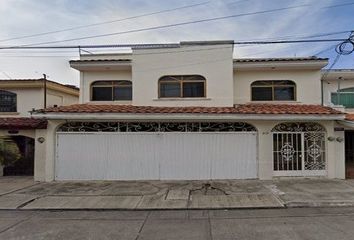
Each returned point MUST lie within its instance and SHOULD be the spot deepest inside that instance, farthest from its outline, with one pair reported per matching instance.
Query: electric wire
(105, 22)
(182, 23)
(168, 25)
(340, 50)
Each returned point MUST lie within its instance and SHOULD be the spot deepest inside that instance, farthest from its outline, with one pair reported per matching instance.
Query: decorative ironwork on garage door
(299, 147)
(156, 127)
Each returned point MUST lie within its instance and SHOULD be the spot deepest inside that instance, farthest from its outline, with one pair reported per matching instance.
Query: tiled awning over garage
(237, 109)
(22, 123)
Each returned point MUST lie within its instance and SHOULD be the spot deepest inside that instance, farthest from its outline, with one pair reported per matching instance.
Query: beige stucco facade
(89, 77)
(308, 84)
(213, 63)
(227, 82)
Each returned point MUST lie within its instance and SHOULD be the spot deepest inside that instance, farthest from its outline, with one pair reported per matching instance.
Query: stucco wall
(27, 133)
(26, 100)
(212, 62)
(60, 98)
(308, 84)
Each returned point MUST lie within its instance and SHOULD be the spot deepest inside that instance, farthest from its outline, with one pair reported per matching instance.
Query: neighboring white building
(338, 91)
(17, 129)
(191, 111)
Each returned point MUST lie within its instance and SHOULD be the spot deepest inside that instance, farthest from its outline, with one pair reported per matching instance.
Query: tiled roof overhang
(22, 123)
(237, 109)
(349, 117)
(295, 59)
(100, 60)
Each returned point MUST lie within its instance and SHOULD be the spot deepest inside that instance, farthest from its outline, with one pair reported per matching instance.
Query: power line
(339, 5)
(341, 50)
(60, 48)
(170, 25)
(303, 36)
(106, 22)
(182, 23)
(174, 45)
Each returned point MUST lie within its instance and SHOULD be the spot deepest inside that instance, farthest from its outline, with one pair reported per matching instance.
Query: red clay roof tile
(22, 123)
(349, 117)
(237, 109)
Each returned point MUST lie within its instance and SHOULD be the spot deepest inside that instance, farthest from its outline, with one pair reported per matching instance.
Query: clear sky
(26, 17)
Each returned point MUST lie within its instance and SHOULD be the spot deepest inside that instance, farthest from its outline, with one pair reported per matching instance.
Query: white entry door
(156, 155)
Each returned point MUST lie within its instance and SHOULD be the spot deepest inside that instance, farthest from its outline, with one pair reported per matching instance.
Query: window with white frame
(182, 86)
(279, 90)
(111, 90)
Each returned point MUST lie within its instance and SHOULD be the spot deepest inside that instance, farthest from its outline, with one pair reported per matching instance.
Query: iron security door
(299, 153)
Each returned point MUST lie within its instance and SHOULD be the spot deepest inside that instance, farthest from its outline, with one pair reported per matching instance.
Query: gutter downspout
(45, 90)
(322, 89)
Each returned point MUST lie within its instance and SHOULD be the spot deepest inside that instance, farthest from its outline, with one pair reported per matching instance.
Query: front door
(299, 153)
(349, 154)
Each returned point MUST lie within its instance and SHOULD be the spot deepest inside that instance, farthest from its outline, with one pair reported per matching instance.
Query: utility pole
(45, 90)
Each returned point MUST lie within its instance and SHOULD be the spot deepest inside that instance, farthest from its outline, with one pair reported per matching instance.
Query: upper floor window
(111, 91)
(281, 90)
(182, 86)
(8, 101)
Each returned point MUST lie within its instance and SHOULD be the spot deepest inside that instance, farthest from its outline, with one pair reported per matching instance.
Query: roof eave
(318, 64)
(106, 65)
(186, 116)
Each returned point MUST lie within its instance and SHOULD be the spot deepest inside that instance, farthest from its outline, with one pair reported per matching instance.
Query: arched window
(182, 86)
(280, 90)
(8, 101)
(111, 91)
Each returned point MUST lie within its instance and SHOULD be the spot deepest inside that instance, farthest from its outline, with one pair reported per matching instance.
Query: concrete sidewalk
(23, 193)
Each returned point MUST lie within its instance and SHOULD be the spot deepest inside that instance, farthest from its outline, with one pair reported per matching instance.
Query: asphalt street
(291, 223)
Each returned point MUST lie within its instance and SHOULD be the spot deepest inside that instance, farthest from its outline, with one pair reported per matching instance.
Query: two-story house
(17, 129)
(192, 111)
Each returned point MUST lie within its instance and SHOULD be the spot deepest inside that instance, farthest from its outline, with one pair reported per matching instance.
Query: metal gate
(153, 151)
(299, 149)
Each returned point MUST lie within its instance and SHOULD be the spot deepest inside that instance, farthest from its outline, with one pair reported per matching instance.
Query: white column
(39, 154)
(265, 149)
(50, 149)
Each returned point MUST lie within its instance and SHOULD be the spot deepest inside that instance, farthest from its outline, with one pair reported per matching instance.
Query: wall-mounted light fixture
(340, 139)
(41, 139)
(331, 139)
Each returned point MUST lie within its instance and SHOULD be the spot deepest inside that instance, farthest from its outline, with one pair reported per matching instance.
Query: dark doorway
(17, 155)
(349, 154)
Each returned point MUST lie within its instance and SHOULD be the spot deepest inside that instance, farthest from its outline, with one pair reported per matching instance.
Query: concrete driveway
(23, 193)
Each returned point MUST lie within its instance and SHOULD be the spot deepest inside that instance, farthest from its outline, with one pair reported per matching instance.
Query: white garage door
(156, 155)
